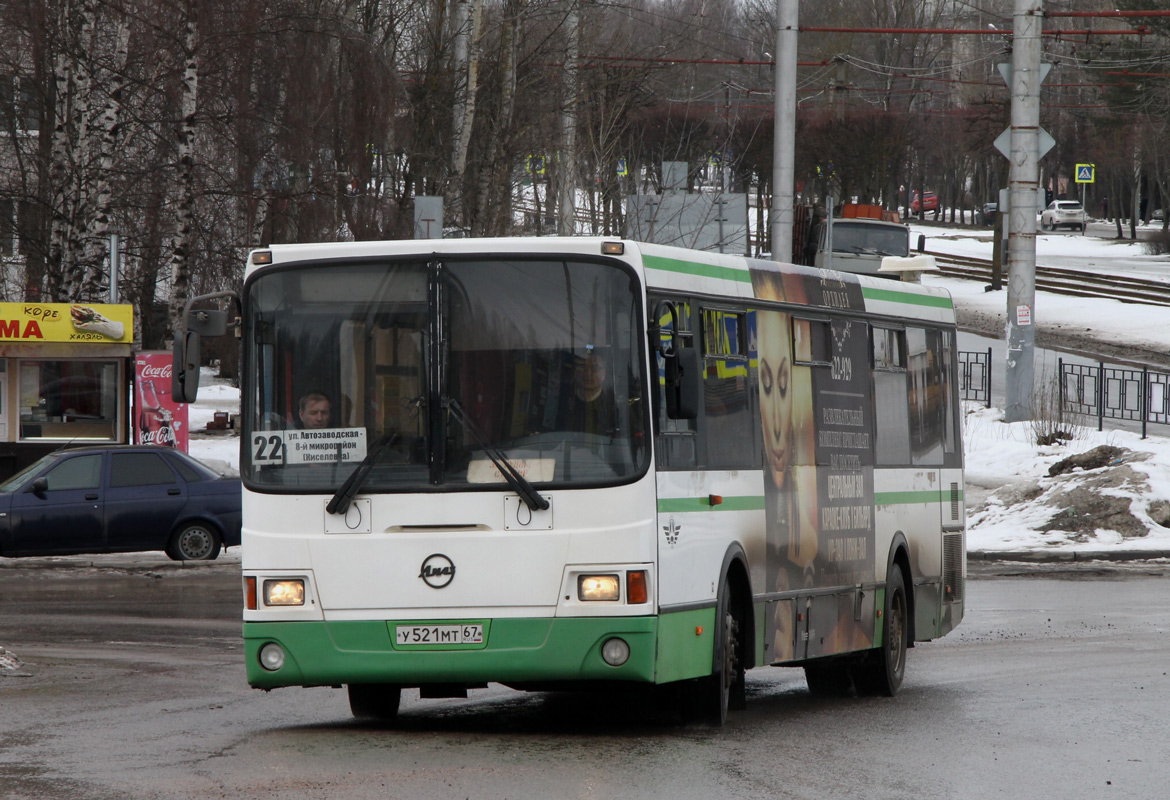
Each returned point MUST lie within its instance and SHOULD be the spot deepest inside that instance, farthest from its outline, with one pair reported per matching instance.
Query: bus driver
(314, 410)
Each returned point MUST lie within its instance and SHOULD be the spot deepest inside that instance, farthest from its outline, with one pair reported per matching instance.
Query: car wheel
(194, 542)
(378, 701)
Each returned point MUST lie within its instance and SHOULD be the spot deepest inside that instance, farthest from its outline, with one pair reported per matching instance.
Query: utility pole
(567, 164)
(1023, 181)
(784, 131)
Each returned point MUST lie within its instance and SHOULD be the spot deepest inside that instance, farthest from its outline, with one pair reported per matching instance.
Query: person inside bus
(590, 405)
(314, 410)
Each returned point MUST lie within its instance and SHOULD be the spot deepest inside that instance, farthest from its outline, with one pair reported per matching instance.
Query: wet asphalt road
(130, 686)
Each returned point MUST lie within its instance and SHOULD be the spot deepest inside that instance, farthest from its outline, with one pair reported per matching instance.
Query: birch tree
(182, 238)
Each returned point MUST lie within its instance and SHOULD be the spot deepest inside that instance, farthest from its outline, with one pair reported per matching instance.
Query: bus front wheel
(724, 688)
(882, 669)
(376, 701)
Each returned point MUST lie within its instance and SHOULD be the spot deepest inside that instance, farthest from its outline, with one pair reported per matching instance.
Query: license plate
(469, 633)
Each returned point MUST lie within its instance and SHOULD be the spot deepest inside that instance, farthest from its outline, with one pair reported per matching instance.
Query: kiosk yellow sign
(99, 323)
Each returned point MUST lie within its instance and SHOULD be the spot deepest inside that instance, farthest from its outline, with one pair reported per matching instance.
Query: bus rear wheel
(377, 701)
(881, 670)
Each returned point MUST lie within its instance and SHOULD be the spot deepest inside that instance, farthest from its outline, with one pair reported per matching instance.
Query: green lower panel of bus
(661, 649)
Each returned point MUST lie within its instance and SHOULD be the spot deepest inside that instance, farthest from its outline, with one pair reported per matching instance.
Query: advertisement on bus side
(818, 487)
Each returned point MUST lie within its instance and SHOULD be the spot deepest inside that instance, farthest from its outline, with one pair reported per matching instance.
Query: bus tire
(880, 671)
(724, 688)
(377, 701)
(828, 680)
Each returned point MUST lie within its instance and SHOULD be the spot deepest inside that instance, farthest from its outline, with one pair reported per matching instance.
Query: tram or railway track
(1060, 280)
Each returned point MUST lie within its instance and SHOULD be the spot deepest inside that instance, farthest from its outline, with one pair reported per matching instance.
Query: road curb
(1066, 556)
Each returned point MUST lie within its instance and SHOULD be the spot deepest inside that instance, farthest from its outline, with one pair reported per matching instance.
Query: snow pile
(1015, 504)
(8, 661)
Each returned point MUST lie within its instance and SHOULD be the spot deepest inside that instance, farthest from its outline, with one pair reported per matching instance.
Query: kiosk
(64, 378)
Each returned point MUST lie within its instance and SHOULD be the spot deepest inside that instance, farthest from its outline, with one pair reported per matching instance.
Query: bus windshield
(432, 367)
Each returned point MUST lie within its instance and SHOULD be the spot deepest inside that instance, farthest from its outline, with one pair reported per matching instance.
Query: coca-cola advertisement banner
(157, 418)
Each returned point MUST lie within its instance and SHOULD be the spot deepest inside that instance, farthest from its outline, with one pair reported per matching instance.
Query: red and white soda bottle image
(154, 420)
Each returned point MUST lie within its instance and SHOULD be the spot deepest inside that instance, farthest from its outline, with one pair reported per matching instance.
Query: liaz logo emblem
(437, 571)
(672, 530)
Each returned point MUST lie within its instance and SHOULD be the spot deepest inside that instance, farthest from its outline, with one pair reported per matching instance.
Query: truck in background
(856, 242)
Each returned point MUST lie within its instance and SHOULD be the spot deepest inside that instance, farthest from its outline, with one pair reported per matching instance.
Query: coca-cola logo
(149, 371)
(162, 436)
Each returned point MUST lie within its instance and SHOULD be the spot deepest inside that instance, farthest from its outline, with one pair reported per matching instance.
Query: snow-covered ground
(1011, 498)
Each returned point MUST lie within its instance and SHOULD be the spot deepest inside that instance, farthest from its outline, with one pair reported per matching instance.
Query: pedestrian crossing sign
(1086, 173)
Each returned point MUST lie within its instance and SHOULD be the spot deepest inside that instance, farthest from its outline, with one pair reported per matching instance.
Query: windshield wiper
(353, 484)
(518, 482)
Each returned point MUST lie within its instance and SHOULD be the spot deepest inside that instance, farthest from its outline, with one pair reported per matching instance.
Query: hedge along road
(130, 685)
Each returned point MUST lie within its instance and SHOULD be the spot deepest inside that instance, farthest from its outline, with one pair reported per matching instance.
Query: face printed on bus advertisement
(774, 348)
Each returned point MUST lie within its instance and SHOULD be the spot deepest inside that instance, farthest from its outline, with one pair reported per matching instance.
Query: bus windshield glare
(431, 365)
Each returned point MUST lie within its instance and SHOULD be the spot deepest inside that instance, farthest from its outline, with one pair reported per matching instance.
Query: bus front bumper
(513, 651)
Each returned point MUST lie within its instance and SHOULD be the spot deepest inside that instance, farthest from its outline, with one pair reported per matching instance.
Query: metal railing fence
(1111, 392)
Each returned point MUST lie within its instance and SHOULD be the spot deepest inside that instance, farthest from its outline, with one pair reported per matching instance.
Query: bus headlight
(284, 593)
(598, 587)
(272, 656)
(615, 652)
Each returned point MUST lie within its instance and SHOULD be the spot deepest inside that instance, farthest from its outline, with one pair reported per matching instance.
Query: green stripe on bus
(892, 296)
(695, 268)
(675, 505)
(913, 498)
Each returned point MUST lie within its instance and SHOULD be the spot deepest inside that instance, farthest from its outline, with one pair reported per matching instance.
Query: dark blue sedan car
(117, 499)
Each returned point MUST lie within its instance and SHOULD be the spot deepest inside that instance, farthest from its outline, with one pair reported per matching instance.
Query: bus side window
(810, 341)
(932, 423)
(890, 400)
(729, 406)
(675, 440)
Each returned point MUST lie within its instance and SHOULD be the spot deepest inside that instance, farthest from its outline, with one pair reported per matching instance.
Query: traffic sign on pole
(1086, 173)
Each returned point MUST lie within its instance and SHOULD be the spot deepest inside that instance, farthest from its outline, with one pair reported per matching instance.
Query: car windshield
(1069, 206)
(434, 366)
(18, 481)
(859, 237)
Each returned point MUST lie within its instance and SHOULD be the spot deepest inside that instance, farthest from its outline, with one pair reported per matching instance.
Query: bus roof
(667, 268)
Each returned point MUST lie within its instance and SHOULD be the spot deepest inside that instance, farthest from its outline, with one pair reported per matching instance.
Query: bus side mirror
(185, 368)
(683, 382)
(197, 322)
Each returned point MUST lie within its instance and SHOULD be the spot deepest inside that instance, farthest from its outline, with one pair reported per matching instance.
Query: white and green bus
(570, 462)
